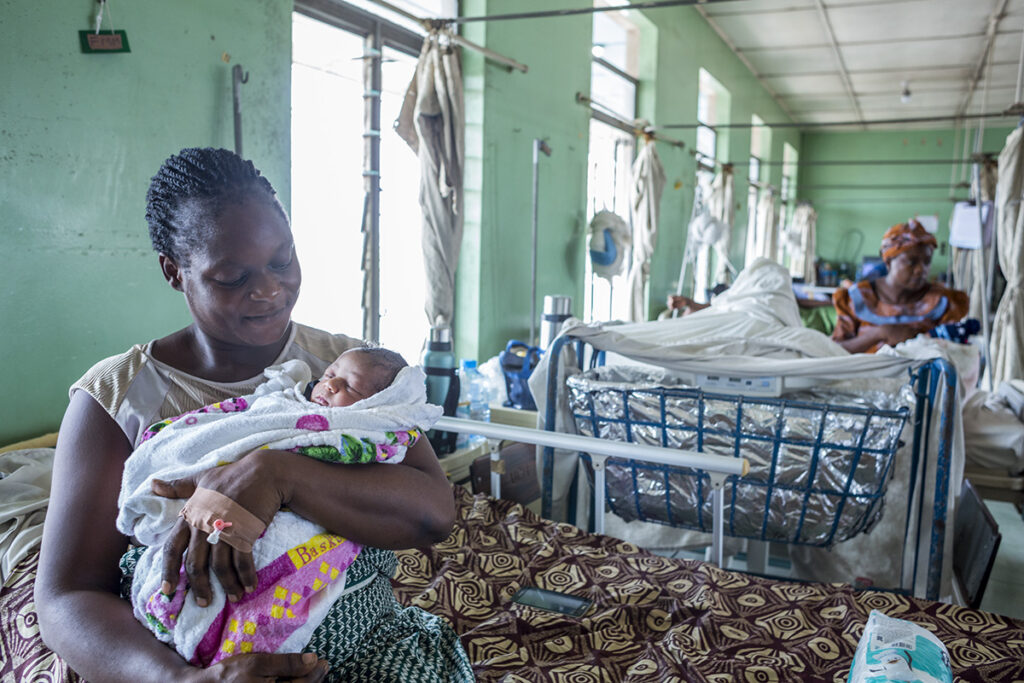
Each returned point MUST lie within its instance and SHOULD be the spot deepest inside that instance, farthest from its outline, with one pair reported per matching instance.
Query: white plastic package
(898, 650)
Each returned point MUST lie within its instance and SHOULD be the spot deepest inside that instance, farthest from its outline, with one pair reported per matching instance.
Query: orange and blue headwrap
(904, 236)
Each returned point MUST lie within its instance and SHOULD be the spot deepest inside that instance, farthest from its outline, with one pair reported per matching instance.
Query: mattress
(819, 459)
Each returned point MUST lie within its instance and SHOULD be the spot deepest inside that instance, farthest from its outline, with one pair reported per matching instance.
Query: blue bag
(517, 363)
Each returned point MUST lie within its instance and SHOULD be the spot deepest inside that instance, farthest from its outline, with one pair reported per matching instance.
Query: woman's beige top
(137, 390)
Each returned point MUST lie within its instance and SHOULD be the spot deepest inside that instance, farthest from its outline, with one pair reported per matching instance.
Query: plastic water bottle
(474, 401)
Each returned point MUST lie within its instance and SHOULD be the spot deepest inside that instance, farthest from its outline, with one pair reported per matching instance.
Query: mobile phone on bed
(552, 601)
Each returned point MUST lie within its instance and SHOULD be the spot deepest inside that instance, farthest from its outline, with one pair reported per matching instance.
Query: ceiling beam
(743, 58)
(979, 68)
(843, 72)
(808, 8)
(863, 43)
(885, 70)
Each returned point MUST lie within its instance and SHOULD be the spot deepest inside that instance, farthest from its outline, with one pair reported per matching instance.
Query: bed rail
(718, 467)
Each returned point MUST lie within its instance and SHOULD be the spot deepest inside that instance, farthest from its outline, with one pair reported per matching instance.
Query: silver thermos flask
(557, 309)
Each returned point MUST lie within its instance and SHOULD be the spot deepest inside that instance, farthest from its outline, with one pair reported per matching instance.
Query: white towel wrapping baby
(300, 566)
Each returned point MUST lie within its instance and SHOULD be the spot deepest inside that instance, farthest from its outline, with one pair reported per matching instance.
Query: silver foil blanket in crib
(819, 460)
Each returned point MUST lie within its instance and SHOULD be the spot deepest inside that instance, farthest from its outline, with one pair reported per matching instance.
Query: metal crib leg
(497, 467)
(597, 462)
(757, 556)
(717, 517)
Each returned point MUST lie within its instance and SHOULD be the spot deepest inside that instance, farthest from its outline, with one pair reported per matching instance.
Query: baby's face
(349, 379)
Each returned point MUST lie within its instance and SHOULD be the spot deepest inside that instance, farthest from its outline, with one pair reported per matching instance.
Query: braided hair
(191, 189)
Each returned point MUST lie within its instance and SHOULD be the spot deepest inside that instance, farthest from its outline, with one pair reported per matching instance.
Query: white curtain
(722, 205)
(645, 198)
(766, 238)
(965, 277)
(1007, 360)
(432, 121)
(800, 243)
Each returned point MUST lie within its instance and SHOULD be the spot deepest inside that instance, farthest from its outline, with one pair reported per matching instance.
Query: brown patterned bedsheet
(657, 619)
(654, 619)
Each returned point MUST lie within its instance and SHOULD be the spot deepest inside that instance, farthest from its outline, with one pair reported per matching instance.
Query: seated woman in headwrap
(903, 303)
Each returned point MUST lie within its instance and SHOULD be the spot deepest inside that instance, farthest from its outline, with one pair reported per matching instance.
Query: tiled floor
(1005, 592)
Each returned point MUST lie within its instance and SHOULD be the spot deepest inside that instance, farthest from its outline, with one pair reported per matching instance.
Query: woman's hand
(252, 483)
(685, 303)
(299, 668)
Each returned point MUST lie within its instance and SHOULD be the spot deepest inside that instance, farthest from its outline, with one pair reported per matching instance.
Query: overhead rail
(1014, 111)
(547, 14)
(890, 186)
(432, 24)
(986, 156)
(860, 199)
(602, 114)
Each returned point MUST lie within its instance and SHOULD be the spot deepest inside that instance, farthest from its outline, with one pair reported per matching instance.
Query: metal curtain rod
(623, 125)
(431, 24)
(545, 14)
(885, 200)
(862, 162)
(823, 124)
(910, 186)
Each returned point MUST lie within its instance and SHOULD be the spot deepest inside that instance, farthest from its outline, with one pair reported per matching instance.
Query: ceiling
(826, 61)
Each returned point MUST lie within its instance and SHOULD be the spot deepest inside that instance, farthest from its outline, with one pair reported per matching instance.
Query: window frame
(378, 33)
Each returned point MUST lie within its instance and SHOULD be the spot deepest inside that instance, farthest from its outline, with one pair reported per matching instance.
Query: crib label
(748, 386)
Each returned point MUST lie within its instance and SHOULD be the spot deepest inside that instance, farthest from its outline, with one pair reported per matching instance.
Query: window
(336, 164)
(613, 87)
(787, 191)
(712, 109)
(758, 239)
(753, 195)
(708, 102)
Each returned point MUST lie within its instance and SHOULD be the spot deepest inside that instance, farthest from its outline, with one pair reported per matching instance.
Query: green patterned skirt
(368, 637)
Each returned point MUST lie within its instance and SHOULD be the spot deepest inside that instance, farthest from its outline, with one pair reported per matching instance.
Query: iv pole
(539, 146)
(980, 253)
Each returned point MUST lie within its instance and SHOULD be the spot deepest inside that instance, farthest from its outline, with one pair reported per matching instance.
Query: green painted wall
(80, 136)
(507, 110)
(851, 222)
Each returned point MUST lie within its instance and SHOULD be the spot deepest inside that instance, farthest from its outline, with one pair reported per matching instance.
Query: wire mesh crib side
(818, 468)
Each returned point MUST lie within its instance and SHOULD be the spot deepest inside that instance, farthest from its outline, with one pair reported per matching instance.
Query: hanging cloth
(1008, 325)
(766, 238)
(722, 205)
(964, 275)
(800, 243)
(432, 122)
(645, 198)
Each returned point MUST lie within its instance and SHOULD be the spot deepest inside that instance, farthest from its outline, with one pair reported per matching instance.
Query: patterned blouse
(859, 305)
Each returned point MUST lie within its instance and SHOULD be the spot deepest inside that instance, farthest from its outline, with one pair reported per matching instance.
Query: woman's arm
(863, 340)
(870, 336)
(405, 505)
(81, 616)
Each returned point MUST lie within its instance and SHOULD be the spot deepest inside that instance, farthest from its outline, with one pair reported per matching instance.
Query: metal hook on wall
(237, 80)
